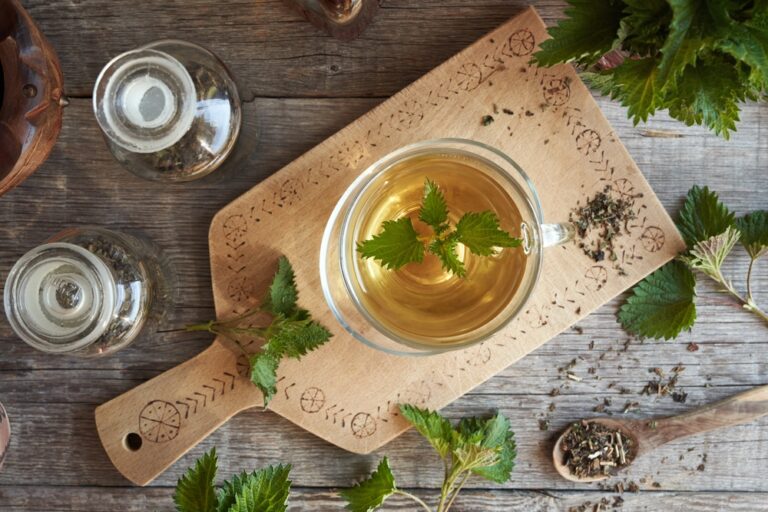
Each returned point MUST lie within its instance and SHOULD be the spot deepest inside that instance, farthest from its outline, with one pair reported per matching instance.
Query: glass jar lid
(145, 100)
(59, 297)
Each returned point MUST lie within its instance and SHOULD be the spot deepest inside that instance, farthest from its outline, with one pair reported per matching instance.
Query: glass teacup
(422, 308)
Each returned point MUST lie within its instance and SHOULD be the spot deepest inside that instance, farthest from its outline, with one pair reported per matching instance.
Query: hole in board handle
(133, 442)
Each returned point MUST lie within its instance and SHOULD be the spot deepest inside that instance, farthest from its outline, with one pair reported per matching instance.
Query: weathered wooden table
(307, 86)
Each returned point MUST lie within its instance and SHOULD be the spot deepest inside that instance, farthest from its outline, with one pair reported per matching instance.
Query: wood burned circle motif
(417, 394)
(652, 239)
(312, 400)
(521, 43)
(235, 228)
(159, 421)
(469, 77)
(557, 92)
(588, 141)
(595, 277)
(624, 188)
(363, 425)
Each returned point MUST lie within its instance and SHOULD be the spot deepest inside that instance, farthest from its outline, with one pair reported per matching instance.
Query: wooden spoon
(647, 435)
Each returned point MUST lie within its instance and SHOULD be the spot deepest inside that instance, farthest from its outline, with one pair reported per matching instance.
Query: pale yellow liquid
(421, 301)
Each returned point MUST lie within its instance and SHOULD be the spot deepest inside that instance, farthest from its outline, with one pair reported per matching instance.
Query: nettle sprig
(663, 304)
(698, 59)
(476, 446)
(291, 333)
(265, 490)
(399, 244)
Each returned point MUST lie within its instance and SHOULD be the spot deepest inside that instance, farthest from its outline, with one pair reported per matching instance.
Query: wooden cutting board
(346, 392)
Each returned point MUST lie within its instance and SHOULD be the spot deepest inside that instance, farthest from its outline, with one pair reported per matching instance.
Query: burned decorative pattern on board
(559, 111)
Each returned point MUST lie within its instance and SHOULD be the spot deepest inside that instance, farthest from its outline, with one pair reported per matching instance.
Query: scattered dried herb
(600, 221)
(487, 120)
(507, 111)
(660, 387)
(593, 449)
(692, 347)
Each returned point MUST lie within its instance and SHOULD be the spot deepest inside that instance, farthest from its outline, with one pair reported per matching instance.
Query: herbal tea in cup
(435, 247)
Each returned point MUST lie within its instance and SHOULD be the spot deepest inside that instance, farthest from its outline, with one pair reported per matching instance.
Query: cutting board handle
(147, 429)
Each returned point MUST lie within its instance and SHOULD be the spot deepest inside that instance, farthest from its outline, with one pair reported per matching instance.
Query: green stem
(749, 279)
(456, 492)
(414, 498)
(207, 327)
(447, 487)
(747, 302)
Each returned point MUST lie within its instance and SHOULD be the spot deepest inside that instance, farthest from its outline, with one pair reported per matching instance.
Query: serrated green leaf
(434, 208)
(754, 233)
(493, 433)
(436, 429)
(230, 490)
(264, 374)
(265, 490)
(634, 84)
(296, 336)
(395, 246)
(703, 216)
(661, 305)
(445, 249)
(371, 493)
(588, 32)
(709, 94)
(283, 294)
(195, 491)
(693, 29)
(644, 28)
(708, 255)
(481, 234)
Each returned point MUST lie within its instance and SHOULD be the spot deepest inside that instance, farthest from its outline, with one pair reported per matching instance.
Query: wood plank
(73, 455)
(87, 499)
(270, 47)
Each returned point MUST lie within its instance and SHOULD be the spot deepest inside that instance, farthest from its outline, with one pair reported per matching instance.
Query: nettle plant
(698, 59)
(476, 446)
(664, 304)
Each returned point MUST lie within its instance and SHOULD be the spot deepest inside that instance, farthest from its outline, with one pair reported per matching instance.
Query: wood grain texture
(336, 392)
(51, 400)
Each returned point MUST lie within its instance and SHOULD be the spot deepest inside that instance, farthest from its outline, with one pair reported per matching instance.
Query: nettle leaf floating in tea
(292, 333)
(399, 244)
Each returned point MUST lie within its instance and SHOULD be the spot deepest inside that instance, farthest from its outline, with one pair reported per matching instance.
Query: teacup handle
(556, 234)
(551, 234)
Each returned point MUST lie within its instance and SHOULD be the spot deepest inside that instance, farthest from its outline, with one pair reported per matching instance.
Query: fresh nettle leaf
(430, 424)
(399, 244)
(754, 233)
(480, 446)
(708, 256)
(283, 294)
(588, 32)
(661, 305)
(481, 234)
(195, 491)
(703, 216)
(434, 208)
(292, 333)
(265, 490)
(371, 493)
(697, 58)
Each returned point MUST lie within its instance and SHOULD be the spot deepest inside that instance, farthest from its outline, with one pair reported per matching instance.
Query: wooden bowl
(31, 95)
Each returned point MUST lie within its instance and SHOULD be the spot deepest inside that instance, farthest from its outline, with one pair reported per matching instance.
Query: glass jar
(87, 292)
(170, 110)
